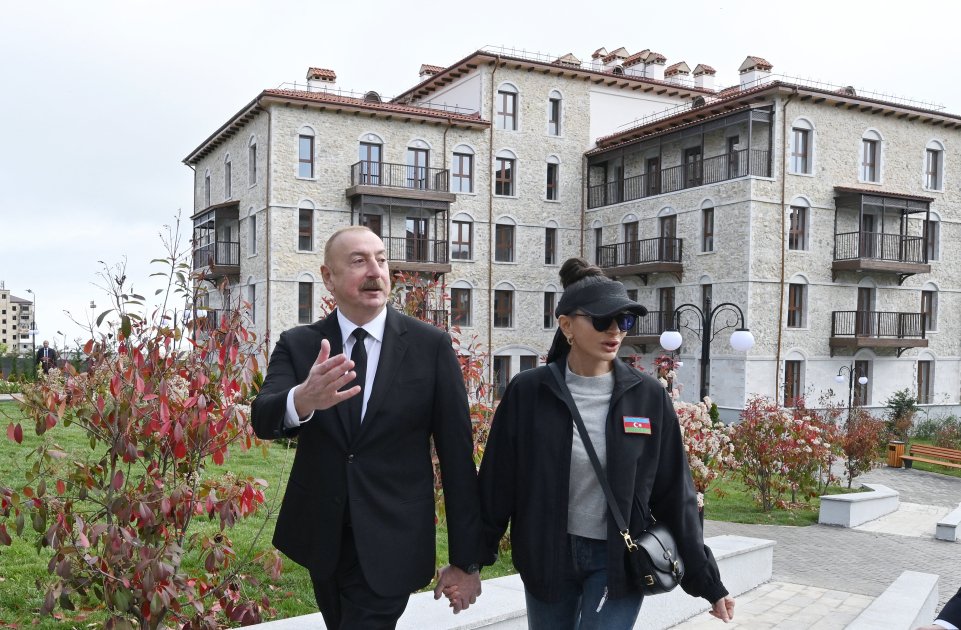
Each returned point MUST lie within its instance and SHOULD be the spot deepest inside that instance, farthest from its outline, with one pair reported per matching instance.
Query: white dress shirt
(373, 343)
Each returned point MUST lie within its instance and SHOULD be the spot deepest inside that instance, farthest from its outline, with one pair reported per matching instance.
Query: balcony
(417, 255)
(647, 330)
(403, 180)
(221, 258)
(434, 316)
(711, 170)
(641, 258)
(877, 329)
(878, 252)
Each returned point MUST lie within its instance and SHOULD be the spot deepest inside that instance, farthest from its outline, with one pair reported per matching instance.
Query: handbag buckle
(649, 580)
(631, 545)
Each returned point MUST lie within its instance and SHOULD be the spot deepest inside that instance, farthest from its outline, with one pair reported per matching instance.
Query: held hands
(327, 375)
(461, 589)
(723, 609)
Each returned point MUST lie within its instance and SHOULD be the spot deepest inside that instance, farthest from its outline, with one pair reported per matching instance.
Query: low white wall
(856, 508)
(744, 564)
(947, 528)
(908, 603)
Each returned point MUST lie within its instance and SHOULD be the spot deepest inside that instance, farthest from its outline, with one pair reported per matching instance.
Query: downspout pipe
(780, 312)
(490, 235)
(267, 239)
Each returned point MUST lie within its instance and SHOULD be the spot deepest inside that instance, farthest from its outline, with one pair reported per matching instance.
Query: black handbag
(652, 563)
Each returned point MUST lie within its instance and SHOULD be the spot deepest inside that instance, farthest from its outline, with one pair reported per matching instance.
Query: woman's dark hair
(575, 269)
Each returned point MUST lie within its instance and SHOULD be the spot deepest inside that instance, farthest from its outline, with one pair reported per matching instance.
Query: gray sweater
(587, 509)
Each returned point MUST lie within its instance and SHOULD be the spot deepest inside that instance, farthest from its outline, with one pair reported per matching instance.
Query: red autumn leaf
(15, 432)
(61, 486)
(117, 480)
(4, 536)
(218, 457)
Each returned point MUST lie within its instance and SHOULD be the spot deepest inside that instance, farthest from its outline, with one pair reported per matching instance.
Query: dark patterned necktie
(358, 355)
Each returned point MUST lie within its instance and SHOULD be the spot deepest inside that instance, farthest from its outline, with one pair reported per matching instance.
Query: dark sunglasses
(625, 321)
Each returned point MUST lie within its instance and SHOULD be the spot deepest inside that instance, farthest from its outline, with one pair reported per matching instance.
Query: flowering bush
(707, 443)
(158, 407)
(862, 441)
(780, 450)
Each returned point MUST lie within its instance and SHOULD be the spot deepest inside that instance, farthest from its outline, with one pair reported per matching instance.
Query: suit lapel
(330, 330)
(392, 352)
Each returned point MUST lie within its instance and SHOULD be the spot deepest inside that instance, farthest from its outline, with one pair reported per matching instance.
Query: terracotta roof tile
(327, 97)
(636, 58)
(881, 193)
(620, 53)
(755, 63)
(321, 73)
(426, 67)
(703, 68)
(656, 57)
(600, 52)
(677, 68)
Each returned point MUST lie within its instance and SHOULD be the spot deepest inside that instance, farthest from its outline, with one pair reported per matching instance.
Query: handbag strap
(595, 462)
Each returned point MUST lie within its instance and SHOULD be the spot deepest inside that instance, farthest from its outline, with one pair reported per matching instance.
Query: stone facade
(16, 315)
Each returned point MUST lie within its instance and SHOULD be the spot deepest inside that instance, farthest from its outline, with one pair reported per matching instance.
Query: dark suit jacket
(385, 472)
(952, 610)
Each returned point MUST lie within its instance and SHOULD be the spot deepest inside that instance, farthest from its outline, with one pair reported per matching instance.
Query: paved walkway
(824, 576)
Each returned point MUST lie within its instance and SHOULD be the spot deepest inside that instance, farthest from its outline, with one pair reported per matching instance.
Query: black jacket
(952, 610)
(525, 474)
(385, 471)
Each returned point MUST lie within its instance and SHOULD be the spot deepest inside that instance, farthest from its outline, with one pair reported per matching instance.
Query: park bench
(933, 455)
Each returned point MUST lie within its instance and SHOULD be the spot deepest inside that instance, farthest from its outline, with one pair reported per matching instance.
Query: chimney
(754, 71)
(655, 66)
(319, 79)
(615, 58)
(636, 63)
(427, 70)
(679, 73)
(704, 76)
(568, 60)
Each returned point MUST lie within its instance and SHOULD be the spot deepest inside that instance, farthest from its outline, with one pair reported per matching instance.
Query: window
(733, 157)
(463, 171)
(305, 230)
(252, 300)
(693, 167)
(227, 178)
(632, 244)
(925, 382)
(553, 168)
(461, 241)
(860, 392)
(798, 233)
(252, 235)
(504, 177)
(707, 293)
(506, 108)
(504, 243)
(502, 375)
(792, 382)
(528, 362)
(550, 303)
(460, 306)
(503, 308)
(871, 157)
(933, 166)
(550, 246)
(417, 165)
(932, 233)
(707, 229)
(598, 243)
(665, 302)
(929, 308)
(801, 150)
(252, 163)
(369, 154)
(305, 159)
(206, 189)
(796, 299)
(554, 114)
(305, 302)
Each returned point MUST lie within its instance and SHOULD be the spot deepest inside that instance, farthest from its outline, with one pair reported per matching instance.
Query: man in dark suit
(359, 506)
(46, 357)
(950, 616)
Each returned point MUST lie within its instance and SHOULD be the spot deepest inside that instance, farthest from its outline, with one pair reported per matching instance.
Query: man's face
(357, 275)
(46, 344)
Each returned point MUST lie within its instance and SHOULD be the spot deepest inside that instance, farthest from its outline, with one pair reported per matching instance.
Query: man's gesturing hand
(327, 375)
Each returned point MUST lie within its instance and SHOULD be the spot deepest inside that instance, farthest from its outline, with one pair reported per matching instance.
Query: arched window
(507, 101)
(504, 305)
(206, 187)
(505, 173)
(461, 304)
(870, 157)
(504, 238)
(798, 223)
(932, 236)
(929, 306)
(227, 177)
(801, 147)
(554, 100)
(707, 226)
(370, 159)
(252, 161)
(305, 227)
(934, 166)
(305, 152)
(462, 169)
(418, 164)
(462, 237)
(305, 298)
(797, 302)
(793, 378)
(925, 378)
(551, 192)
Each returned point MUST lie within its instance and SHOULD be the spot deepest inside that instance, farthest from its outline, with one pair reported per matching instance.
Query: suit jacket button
(350, 458)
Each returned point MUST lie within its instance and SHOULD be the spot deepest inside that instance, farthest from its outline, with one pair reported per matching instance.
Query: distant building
(818, 211)
(16, 314)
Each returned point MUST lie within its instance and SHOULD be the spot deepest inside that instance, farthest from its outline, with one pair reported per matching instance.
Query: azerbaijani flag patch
(633, 424)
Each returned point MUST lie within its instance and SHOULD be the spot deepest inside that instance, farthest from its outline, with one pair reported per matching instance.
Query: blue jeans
(584, 604)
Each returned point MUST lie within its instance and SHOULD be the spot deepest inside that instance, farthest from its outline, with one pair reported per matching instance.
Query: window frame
(798, 228)
(707, 229)
(552, 188)
(504, 176)
(796, 305)
(793, 381)
(550, 303)
(870, 169)
(457, 245)
(252, 235)
(228, 179)
(252, 163)
(458, 177)
(800, 161)
(934, 168)
(301, 225)
(501, 366)
(504, 247)
(925, 381)
(305, 302)
(461, 313)
(554, 114)
(500, 295)
(507, 108)
(305, 161)
(550, 245)
(929, 306)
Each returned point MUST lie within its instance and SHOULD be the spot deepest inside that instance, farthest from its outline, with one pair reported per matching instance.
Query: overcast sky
(101, 100)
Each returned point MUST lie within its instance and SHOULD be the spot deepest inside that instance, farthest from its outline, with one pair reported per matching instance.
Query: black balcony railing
(420, 250)
(878, 246)
(711, 170)
(434, 316)
(878, 324)
(219, 253)
(652, 324)
(368, 173)
(651, 250)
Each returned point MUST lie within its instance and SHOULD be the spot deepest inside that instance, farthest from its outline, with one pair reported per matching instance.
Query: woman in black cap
(536, 474)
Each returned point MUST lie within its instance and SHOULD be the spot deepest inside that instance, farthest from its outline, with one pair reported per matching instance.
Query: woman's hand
(724, 609)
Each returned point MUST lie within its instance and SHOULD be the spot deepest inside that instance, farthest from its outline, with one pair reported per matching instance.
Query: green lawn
(936, 468)
(735, 504)
(23, 570)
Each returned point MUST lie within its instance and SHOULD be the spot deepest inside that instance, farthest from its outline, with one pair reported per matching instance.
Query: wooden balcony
(641, 258)
(647, 330)
(711, 170)
(417, 255)
(218, 259)
(880, 253)
(877, 329)
(403, 181)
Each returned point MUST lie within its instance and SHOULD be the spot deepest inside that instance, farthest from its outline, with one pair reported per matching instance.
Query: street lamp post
(33, 323)
(862, 380)
(741, 339)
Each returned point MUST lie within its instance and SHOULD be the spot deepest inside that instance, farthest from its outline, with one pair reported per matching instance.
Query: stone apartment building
(16, 315)
(819, 213)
